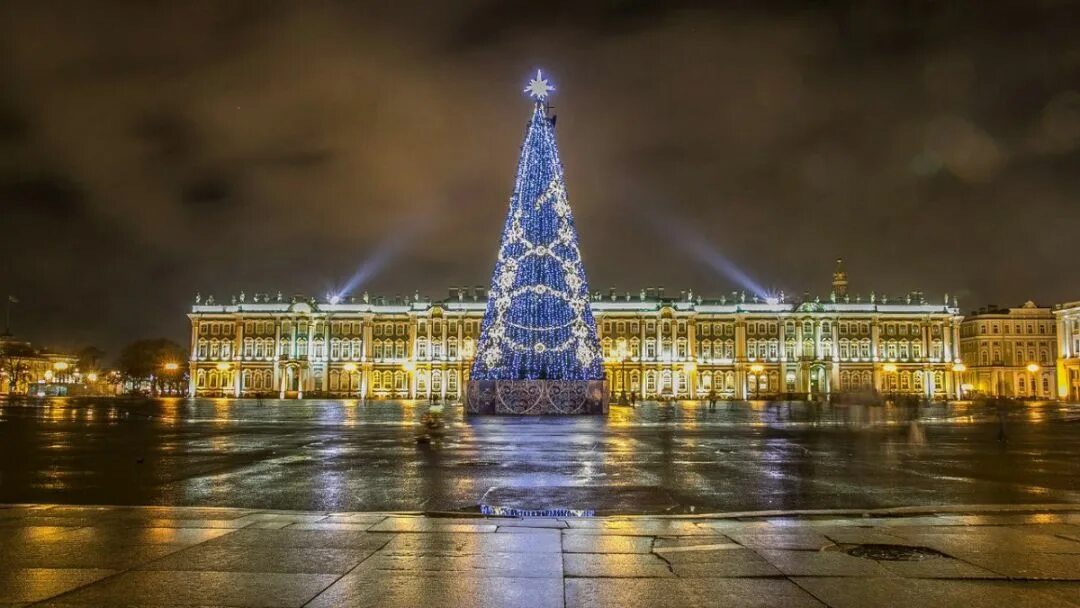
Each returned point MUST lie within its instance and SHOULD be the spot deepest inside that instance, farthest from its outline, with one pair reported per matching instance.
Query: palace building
(1010, 352)
(1067, 318)
(654, 345)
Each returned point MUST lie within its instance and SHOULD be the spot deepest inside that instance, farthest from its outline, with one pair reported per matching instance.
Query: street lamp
(1032, 368)
(889, 368)
(756, 369)
(689, 368)
(622, 353)
(172, 366)
(959, 368)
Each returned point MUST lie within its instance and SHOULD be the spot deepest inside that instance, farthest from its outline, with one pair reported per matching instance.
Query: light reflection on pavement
(348, 455)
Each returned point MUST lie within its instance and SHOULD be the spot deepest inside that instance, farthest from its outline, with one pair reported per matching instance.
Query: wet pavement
(77, 557)
(656, 458)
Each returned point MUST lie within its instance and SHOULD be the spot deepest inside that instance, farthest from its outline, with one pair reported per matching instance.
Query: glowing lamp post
(959, 368)
(690, 367)
(1032, 368)
(756, 369)
(889, 368)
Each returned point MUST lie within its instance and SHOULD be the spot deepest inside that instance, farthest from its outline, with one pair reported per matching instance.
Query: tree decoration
(538, 323)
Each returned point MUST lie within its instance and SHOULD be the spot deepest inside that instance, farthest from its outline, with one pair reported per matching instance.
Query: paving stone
(807, 541)
(510, 565)
(734, 563)
(460, 544)
(36, 584)
(668, 542)
(821, 563)
(1067, 591)
(864, 536)
(66, 522)
(239, 589)
(292, 518)
(603, 543)
(274, 558)
(144, 536)
(553, 532)
(330, 526)
(686, 593)
(396, 524)
(660, 527)
(36, 534)
(539, 522)
(937, 567)
(442, 591)
(290, 537)
(926, 593)
(82, 555)
(355, 518)
(1057, 566)
(623, 565)
(998, 541)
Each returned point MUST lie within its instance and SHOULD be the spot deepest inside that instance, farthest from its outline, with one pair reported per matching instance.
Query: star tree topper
(539, 87)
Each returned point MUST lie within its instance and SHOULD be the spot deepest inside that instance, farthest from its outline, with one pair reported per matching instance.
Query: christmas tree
(538, 324)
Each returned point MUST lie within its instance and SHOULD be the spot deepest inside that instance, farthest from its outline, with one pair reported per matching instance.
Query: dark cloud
(149, 150)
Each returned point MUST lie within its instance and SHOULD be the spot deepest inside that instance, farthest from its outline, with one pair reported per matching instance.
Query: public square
(344, 455)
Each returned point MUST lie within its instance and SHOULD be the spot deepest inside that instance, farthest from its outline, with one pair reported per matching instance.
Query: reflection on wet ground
(348, 455)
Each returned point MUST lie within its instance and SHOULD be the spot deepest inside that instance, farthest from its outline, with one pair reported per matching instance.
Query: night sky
(149, 150)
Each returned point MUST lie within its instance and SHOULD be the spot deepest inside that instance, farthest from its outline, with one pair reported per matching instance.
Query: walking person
(712, 399)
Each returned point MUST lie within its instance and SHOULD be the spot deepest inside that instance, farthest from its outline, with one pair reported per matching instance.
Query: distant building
(653, 345)
(25, 370)
(1010, 352)
(1068, 347)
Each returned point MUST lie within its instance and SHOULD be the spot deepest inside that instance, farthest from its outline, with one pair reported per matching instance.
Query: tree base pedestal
(537, 397)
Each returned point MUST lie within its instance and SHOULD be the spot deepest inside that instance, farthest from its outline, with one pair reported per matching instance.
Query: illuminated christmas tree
(538, 324)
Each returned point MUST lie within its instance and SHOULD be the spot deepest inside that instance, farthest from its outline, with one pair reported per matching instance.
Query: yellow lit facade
(654, 346)
(1067, 320)
(25, 370)
(1010, 352)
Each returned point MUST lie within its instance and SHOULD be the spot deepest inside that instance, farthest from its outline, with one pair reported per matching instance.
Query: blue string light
(538, 323)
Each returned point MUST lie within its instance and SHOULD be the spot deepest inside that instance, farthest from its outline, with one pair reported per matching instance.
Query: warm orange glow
(889, 367)
(1033, 367)
(172, 367)
(959, 368)
(91, 377)
(349, 367)
(60, 366)
(222, 366)
(757, 368)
